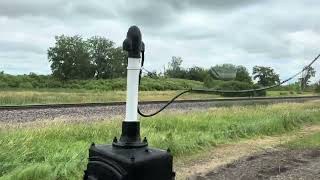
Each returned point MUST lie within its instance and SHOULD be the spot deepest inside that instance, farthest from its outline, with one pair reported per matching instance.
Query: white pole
(134, 67)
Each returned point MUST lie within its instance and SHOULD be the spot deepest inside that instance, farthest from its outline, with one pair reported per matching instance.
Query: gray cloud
(159, 13)
(205, 4)
(281, 34)
(18, 47)
(55, 8)
(150, 15)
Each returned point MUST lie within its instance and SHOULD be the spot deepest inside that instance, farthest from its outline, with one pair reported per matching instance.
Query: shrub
(284, 93)
(234, 86)
(47, 81)
(208, 81)
(317, 89)
(26, 85)
(51, 84)
(4, 85)
(258, 93)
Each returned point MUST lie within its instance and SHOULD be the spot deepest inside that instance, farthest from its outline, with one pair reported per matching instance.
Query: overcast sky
(283, 34)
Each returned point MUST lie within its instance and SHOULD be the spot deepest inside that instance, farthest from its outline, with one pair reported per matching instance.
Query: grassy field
(53, 96)
(60, 151)
(309, 142)
(118, 84)
(56, 96)
(288, 93)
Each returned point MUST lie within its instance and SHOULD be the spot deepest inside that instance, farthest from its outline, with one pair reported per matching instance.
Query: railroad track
(102, 111)
(119, 103)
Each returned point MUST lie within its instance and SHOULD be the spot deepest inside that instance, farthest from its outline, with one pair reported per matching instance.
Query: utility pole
(129, 158)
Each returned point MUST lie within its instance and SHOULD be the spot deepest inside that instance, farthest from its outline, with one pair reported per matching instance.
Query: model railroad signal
(130, 158)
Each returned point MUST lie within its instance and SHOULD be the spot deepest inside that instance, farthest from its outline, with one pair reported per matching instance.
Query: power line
(197, 90)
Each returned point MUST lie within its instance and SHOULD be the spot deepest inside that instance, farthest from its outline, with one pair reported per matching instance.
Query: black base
(130, 137)
(108, 162)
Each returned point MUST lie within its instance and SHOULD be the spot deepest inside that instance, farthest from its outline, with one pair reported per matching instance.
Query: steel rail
(120, 103)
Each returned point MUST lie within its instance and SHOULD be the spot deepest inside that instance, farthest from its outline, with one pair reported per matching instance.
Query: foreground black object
(109, 162)
(130, 158)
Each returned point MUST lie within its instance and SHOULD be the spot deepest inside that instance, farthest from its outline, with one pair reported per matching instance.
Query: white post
(130, 136)
(134, 67)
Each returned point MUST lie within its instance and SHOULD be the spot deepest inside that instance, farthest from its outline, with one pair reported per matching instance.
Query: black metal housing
(107, 162)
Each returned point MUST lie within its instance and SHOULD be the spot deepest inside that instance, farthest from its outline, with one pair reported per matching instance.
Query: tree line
(264, 76)
(73, 57)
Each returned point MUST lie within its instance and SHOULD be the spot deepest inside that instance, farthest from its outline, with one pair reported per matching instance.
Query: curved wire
(221, 91)
(163, 107)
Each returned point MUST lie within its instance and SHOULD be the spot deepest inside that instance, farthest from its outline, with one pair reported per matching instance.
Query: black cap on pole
(133, 43)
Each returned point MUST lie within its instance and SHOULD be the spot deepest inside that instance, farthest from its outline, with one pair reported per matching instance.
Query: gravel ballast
(96, 113)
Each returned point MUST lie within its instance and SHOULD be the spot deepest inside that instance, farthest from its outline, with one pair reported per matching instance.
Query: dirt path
(203, 166)
(277, 165)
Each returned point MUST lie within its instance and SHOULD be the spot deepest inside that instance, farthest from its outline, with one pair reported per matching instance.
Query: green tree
(110, 61)
(152, 74)
(174, 68)
(209, 82)
(196, 73)
(100, 50)
(223, 71)
(243, 75)
(317, 88)
(265, 75)
(309, 72)
(70, 58)
(119, 63)
(175, 63)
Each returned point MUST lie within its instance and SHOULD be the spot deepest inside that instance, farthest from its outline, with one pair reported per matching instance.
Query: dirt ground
(259, 158)
(277, 165)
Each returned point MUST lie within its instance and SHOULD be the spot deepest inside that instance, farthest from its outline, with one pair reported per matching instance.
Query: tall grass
(45, 82)
(60, 151)
(289, 93)
(309, 142)
(58, 96)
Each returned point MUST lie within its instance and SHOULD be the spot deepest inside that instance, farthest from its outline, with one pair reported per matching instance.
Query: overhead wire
(198, 90)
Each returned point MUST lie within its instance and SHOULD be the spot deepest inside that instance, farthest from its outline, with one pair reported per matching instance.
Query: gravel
(96, 113)
(84, 113)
